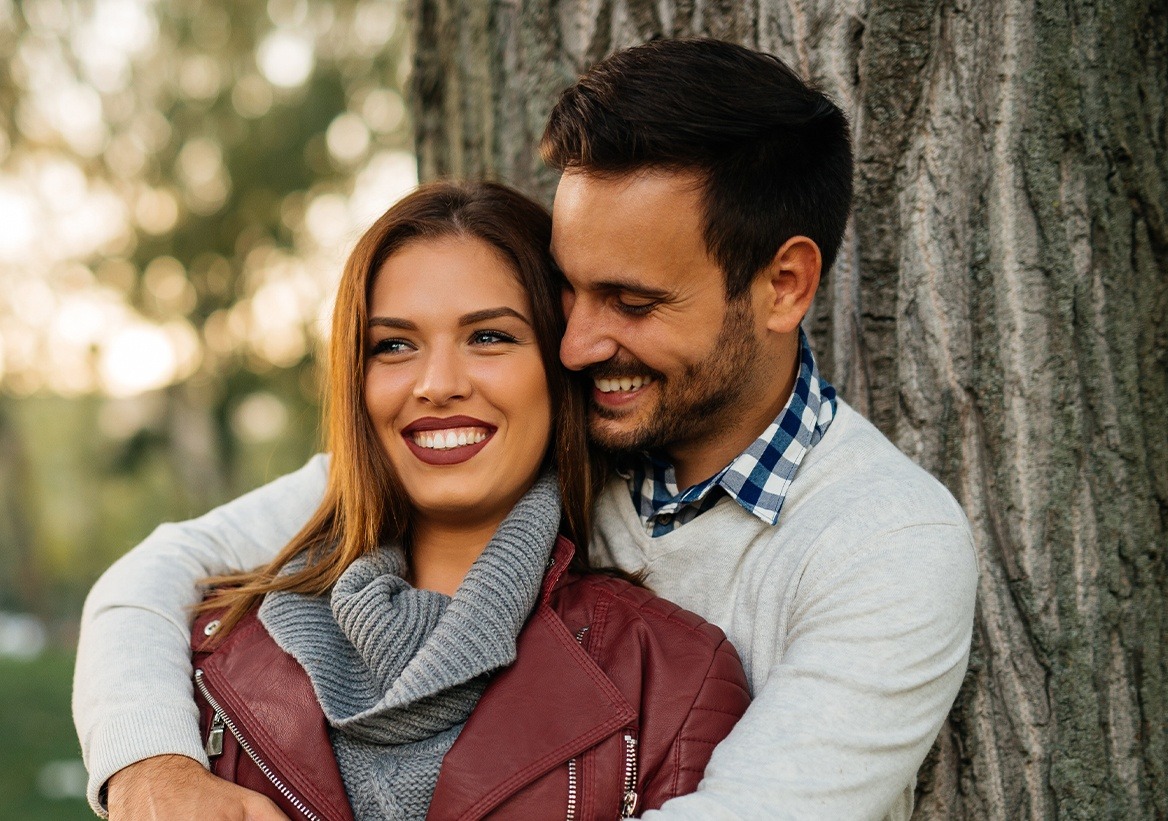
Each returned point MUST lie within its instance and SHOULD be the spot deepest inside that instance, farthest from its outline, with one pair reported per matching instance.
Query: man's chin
(624, 433)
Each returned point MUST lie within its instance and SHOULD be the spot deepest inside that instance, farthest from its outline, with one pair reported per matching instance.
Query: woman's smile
(450, 438)
(447, 441)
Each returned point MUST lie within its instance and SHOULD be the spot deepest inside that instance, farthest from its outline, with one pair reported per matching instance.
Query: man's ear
(788, 284)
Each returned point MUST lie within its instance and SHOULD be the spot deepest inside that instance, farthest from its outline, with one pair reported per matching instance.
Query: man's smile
(620, 392)
(623, 383)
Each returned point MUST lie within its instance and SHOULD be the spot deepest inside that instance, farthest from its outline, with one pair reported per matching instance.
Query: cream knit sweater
(852, 616)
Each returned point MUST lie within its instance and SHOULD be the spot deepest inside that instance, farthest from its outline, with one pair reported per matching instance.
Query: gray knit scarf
(398, 670)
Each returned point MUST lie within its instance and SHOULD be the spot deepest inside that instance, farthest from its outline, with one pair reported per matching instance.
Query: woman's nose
(444, 377)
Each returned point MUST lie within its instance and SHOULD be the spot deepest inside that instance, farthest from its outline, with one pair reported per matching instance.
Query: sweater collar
(376, 648)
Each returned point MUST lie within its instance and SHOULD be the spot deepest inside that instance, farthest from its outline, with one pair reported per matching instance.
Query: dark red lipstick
(445, 456)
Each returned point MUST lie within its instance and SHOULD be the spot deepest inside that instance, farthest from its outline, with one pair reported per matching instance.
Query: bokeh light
(116, 166)
(139, 357)
(286, 58)
(260, 417)
(17, 215)
(347, 138)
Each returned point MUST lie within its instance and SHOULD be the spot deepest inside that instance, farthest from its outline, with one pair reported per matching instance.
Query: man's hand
(177, 788)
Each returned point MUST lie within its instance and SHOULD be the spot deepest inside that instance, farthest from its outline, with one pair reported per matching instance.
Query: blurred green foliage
(92, 498)
(231, 131)
(34, 710)
(197, 169)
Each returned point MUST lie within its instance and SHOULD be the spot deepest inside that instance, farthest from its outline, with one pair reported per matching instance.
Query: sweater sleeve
(875, 652)
(132, 692)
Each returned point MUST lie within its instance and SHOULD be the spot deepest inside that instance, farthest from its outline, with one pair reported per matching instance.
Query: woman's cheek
(385, 393)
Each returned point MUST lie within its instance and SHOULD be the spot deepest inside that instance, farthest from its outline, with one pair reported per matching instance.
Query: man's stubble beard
(697, 405)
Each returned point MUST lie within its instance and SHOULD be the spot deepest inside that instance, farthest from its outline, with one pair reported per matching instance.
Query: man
(704, 188)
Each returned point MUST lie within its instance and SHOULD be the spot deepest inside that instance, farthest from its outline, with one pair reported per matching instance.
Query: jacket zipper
(224, 720)
(629, 801)
(629, 804)
(571, 790)
(571, 816)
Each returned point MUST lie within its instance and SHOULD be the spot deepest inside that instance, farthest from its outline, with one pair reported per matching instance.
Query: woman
(443, 553)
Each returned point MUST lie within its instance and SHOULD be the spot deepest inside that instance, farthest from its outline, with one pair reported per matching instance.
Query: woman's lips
(447, 441)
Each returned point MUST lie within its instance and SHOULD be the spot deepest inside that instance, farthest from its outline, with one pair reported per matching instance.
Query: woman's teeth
(449, 438)
(625, 383)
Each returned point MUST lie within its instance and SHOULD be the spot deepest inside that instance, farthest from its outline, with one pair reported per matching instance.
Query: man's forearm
(132, 696)
(173, 788)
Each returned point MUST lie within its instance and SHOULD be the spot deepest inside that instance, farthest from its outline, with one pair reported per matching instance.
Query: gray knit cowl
(398, 670)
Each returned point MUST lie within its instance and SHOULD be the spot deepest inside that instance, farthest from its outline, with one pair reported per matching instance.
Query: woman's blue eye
(388, 346)
(490, 337)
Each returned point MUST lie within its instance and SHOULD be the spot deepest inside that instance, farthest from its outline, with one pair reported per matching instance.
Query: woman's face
(454, 383)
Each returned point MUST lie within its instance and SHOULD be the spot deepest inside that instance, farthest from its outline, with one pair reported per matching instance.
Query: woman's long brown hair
(364, 504)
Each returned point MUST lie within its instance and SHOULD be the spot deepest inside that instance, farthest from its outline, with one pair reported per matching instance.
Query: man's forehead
(631, 210)
(645, 228)
(577, 187)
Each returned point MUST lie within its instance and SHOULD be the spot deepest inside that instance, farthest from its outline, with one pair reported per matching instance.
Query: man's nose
(588, 339)
(444, 377)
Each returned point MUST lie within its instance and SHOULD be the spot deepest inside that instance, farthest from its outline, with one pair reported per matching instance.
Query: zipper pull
(629, 804)
(215, 737)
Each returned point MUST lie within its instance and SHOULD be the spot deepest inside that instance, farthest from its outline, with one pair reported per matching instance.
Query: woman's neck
(442, 553)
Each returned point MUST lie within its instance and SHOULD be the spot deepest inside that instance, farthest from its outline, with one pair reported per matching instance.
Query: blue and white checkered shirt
(758, 478)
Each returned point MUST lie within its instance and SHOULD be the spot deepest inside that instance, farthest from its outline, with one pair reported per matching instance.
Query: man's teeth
(449, 438)
(625, 383)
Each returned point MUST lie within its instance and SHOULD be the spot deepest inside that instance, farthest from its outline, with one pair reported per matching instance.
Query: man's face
(673, 363)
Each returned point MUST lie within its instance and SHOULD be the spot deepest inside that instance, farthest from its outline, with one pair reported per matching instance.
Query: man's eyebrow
(392, 322)
(629, 287)
(491, 313)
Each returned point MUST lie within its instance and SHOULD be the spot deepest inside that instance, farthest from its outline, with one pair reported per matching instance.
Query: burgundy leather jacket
(613, 705)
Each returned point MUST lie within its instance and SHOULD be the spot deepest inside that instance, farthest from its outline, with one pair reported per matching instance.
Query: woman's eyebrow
(392, 322)
(492, 313)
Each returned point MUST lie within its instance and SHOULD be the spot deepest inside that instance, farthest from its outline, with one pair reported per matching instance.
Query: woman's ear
(789, 283)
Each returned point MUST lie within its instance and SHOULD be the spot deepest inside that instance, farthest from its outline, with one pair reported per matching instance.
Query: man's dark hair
(775, 153)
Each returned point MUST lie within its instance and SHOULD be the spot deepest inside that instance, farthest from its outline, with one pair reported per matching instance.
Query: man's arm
(132, 696)
(875, 653)
(175, 788)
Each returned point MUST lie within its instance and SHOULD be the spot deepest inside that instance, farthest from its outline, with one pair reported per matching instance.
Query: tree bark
(999, 310)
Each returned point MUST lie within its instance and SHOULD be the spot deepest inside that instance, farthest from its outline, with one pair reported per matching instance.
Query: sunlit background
(179, 184)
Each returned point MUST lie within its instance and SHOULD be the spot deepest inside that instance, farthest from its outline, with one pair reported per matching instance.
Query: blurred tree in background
(179, 184)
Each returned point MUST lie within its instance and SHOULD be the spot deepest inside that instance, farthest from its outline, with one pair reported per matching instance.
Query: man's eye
(487, 337)
(388, 346)
(635, 308)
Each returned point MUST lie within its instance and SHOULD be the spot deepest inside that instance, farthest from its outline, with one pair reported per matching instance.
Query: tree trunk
(1000, 310)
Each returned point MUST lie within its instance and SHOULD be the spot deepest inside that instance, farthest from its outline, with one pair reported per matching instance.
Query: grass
(38, 730)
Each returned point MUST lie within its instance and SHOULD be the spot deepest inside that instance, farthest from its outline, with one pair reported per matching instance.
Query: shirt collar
(758, 478)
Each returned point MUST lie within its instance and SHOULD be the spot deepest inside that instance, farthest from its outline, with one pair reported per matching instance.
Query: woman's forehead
(448, 275)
